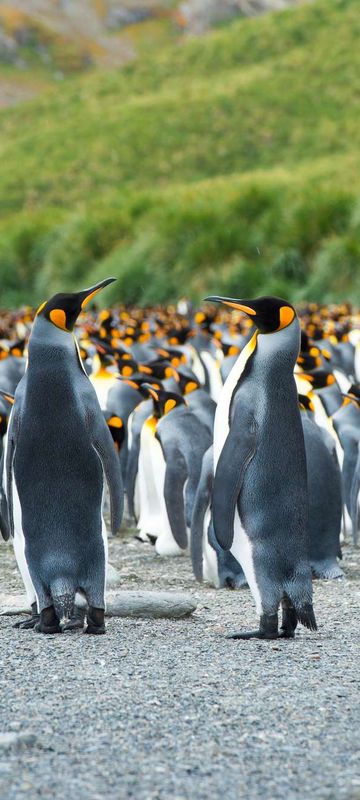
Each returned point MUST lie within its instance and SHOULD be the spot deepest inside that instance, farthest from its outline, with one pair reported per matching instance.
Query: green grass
(225, 163)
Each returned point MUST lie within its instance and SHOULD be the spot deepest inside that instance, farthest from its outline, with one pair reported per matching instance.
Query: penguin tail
(299, 592)
(63, 597)
(306, 616)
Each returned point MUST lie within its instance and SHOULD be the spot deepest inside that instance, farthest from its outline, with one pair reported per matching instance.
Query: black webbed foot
(30, 622)
(268, 629)
(95, 621)
(49, 622)
(76, 622)
(289, 619)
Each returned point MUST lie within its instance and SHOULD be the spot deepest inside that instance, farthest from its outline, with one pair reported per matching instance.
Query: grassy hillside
(228, 163)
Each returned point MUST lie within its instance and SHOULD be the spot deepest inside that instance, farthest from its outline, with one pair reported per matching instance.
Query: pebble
(169, 709)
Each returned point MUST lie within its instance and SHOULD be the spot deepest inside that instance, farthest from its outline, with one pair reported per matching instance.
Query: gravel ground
(160, 710)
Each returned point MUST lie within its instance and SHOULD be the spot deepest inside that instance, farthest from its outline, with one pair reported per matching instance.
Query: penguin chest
(210, 561)
(102, 385)
(151, 479)
(213, 371)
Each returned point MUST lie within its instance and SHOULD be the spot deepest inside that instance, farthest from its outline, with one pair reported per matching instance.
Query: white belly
(210, 561)
(241, 548)
(153, 517)
(215, 382)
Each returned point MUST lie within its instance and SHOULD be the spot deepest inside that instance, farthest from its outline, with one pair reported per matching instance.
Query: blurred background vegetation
(133, 146)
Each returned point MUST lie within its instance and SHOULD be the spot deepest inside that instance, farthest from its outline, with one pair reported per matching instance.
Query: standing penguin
(59, 452)
(260, 499)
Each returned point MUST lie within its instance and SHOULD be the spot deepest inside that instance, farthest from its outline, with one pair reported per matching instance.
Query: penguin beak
(239, 305)
(87, 294)
(9, 397)
(151, 391)
(128, 382)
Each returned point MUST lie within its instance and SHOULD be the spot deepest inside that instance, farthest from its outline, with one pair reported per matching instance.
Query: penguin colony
(232, 433)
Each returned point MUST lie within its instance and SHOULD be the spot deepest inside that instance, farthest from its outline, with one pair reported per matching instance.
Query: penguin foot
(76, 622)
(49, 622)
(289, 619)
(27, 624)
(95, 621)
(268, 629)
(252, 635)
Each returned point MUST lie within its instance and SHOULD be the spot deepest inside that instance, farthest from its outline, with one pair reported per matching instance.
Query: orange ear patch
(169, 405)
(115, 422)
(190, 387)
(58, 318)
(127, 370)
(286, 316)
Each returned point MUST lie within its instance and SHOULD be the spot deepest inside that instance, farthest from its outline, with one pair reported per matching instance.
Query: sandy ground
(161, 709)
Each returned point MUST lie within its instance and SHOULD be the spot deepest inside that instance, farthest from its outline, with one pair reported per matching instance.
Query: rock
(8, 740)
(113, 577)
(150, 605)
(146, 605)
(13, 604)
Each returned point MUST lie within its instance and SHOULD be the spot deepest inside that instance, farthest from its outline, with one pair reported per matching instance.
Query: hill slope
(238, 150)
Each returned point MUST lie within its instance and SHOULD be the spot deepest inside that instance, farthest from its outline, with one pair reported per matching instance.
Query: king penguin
(260, 499)
(59, 452)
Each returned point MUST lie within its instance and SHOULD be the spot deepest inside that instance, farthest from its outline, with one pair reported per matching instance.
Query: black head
(62, 310)
(269, 314)
(306, 403)
(319, 378)
(160, 369)
(137, 381)
(187, 383)
(164, 402)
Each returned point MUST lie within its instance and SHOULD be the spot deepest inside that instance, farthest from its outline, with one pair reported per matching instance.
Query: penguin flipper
(103, 445)
(202, 501)
(175, 477)
(355, 489)
(7, 495)
(4, 516)
(238, 450)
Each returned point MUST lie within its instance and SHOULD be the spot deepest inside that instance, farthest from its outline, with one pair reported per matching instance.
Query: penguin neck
(49, 346)
(278, 352)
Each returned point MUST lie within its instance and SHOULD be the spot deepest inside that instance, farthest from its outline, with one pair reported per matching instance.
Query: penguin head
(137, 381)
(62, 310)
(305, 402)
(160, 369)
(352, 395)
(164, 402)
(188, 383)
(269, 314)
(319, 378)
